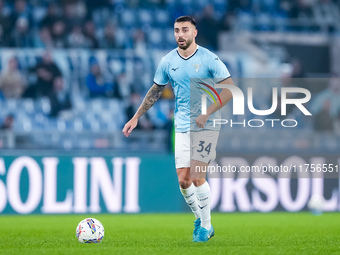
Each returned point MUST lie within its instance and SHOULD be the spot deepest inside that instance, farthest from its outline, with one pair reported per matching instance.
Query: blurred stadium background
(73, 72)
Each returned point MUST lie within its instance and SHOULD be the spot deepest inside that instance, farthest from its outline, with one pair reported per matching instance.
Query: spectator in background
(97, 83)
(327, 14)
(208, 28)
(46, 72)
(20, 11)
(122, 88)
(168, 93)
(139, 43)
(145, 121)
(323, 120)
(76, 38)
(52, 15)
(12, 81)
(74, 14)
(169, 127)
(227, 22)
(59, 98)
(90, 34)
(326, 106)
(59, 34)
(7, 123)
(21, 35)
(298, 71)
(44, 39)
(22, 21)
(5, 27)
(109, 39)
(139, 76)
(301, 10)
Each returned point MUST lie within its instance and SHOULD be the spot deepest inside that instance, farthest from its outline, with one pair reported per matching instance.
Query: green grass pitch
(236, 233)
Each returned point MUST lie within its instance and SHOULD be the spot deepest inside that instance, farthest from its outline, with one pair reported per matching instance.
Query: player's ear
(195, 32)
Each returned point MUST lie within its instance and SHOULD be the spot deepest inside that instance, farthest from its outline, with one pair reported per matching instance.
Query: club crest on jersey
(197, 67)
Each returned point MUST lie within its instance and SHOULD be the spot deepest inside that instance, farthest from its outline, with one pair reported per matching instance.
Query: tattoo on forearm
(150, 99)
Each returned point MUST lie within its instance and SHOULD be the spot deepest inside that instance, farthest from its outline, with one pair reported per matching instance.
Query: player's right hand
(129, 126)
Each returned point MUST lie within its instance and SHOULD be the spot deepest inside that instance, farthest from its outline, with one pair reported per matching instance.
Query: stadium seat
(155, 38)
(61, 125)
(162, 18)
(38, 13)
(79, 104)
(245, 21)
(95, 126)
(78, 125)
(28, 105)
(11, 104)
(145, 17)
(42, 105)
(128, 19)
(23, 125)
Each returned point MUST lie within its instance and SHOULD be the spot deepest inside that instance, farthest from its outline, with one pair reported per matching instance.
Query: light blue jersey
(201, 66)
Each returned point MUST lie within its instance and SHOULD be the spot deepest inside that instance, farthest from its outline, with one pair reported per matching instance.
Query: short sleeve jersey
(202, 65)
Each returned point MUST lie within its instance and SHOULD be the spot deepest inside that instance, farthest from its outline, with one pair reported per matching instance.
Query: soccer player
(197, 148)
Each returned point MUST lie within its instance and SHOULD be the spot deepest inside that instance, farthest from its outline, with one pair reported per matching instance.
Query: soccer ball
(90, 230)
(316, 203)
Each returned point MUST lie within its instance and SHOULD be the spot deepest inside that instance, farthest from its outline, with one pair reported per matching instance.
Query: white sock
(190, 197)
(203, 197)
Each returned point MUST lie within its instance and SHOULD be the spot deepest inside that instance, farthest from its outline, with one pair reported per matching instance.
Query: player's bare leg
(188, 191)
(203, 196)
(184, 179)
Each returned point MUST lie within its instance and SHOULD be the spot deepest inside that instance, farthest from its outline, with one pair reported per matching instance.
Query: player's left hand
(201, 120)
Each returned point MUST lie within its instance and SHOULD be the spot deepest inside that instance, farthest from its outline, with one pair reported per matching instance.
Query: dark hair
(186, 18)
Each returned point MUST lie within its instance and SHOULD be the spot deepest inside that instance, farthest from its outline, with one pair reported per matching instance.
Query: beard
(185, 45)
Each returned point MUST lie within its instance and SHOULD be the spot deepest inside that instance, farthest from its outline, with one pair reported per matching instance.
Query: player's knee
(183, 175)
(198, 181)
(184, 183)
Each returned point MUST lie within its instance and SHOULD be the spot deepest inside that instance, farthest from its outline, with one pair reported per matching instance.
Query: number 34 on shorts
(203, 144)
